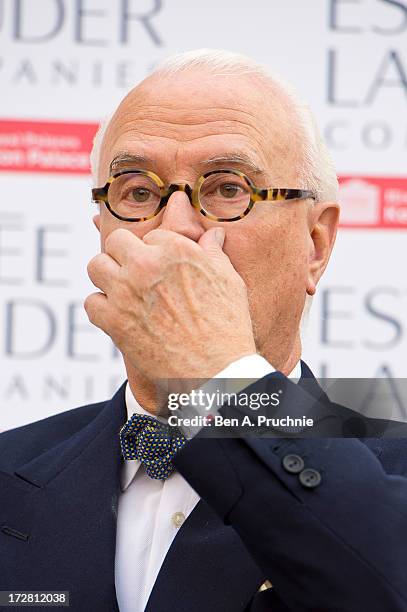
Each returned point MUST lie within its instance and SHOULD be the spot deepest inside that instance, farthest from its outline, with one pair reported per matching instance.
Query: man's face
(179, 124)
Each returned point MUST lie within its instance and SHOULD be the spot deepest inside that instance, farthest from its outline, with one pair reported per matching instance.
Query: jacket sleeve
(321, 517)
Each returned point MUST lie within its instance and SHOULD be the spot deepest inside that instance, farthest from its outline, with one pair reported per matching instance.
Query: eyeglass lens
(223, 195)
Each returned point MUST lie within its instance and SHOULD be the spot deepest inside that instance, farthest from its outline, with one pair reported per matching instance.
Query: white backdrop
(64, 64)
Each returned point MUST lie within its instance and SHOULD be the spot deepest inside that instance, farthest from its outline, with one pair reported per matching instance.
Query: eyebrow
(128, 159)
(241, 159)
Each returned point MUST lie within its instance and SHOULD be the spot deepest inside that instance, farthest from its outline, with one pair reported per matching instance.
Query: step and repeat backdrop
(65, 64)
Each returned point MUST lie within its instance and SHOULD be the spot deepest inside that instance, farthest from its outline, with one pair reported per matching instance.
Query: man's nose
(181, 217)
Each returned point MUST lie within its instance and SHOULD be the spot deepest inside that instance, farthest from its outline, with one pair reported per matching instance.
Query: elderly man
(217, 218)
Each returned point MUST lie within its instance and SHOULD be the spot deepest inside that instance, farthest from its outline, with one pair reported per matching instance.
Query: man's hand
(174, 308)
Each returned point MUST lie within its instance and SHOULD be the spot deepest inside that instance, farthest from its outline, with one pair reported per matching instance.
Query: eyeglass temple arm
(284, 194)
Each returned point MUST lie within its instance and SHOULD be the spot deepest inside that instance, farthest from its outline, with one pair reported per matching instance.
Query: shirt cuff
(250, 366)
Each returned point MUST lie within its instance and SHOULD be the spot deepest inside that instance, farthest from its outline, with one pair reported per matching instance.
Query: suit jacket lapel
(207, 567)
(68, 510)
(309, 383)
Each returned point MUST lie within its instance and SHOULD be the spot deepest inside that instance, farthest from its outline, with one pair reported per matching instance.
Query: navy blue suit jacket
(341, 546)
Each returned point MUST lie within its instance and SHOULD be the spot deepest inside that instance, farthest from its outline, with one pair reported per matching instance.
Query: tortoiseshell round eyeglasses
(221, 195)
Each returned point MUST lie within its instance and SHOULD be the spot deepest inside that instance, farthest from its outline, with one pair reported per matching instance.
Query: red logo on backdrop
(45, 146)
(373, 202)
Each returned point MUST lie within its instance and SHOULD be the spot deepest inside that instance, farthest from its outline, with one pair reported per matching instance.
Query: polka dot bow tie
(153, 443)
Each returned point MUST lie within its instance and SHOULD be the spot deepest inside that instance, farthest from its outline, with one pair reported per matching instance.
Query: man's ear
(96, 221)
(324, 224)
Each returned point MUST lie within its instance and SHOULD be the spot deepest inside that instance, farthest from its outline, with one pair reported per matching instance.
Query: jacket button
(293, 464)
(310, 478)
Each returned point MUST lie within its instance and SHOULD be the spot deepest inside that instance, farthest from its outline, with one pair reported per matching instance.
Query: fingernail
(220, 236)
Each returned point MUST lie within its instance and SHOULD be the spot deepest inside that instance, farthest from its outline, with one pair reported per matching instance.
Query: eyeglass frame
(267, 194)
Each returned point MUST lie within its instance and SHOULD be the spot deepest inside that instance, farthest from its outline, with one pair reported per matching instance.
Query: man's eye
(228, 190)
(140, 194)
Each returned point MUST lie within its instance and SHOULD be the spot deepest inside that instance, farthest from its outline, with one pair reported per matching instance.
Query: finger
(212, 242)
(161, 237)
(96, 307)
(103, 270)
(121, 244)
(213, 239)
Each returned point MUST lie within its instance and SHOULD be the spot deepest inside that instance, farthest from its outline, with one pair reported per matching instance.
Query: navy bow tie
(153, 443)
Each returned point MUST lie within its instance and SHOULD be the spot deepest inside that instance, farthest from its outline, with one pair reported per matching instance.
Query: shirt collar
(296, 372)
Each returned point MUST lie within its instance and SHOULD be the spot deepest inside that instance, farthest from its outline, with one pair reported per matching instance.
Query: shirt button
(293, 464)
(310, 478)
(177, 519)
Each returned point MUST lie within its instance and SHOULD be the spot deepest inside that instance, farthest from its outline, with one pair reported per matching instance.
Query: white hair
(316, 171)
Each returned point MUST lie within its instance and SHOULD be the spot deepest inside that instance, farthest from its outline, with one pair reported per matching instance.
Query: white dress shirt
(151, 511)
